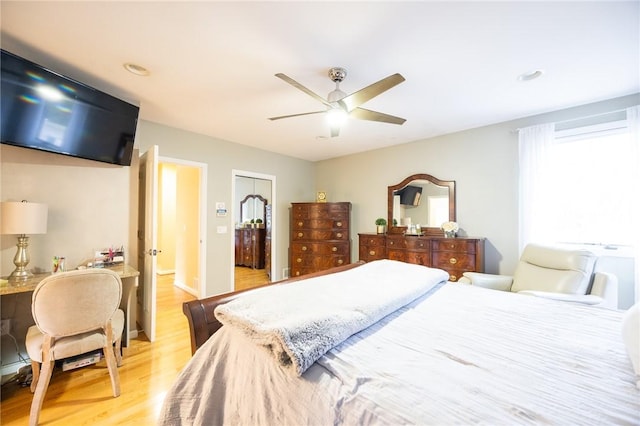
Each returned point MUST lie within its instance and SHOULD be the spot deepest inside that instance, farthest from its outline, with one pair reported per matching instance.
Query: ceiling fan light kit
(340, 106)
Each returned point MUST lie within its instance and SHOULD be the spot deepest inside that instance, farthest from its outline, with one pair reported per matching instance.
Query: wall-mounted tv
(41, 109)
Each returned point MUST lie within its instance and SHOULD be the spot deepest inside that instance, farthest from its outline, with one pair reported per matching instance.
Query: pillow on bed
(631, 338)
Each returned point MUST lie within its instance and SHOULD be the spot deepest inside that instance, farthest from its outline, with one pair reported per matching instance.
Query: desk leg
(127, 304)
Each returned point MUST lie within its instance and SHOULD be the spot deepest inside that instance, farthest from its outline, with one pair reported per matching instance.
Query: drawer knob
(300, 234)
(299, 260)
(297, 273)
(452, 246)
(453, 261)
(453, 278)
(304, 248)
(300, 223)
(372, 253)
(339, 234)
(339, 224)
(334, 249)
(340, 262)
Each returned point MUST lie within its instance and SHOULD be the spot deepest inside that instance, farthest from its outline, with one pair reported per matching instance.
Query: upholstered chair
(554, 273)
(75, 312)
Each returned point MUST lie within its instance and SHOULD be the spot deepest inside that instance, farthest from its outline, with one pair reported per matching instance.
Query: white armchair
(554, 273)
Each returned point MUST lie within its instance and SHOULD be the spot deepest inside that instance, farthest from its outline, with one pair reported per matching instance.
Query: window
(590, 174)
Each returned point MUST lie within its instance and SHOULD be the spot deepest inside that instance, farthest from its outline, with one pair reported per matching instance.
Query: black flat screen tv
(41, 109)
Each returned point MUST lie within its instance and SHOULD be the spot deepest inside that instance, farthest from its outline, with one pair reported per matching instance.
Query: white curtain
(533, 145)
(633, 124)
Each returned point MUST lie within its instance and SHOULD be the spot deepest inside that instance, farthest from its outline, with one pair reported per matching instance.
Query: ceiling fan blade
(304, 89)
(358, 98)
(365, 114)
(297, 115)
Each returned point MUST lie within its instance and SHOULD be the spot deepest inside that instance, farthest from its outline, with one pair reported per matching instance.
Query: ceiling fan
(340, 105)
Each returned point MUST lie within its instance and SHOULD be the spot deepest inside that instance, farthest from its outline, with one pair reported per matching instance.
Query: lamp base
(21, 260)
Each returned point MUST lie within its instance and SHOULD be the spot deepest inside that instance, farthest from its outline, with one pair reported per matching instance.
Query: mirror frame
(450, 184)
(254, 196)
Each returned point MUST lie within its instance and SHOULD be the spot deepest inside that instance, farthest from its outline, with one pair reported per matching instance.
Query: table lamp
(22, 218)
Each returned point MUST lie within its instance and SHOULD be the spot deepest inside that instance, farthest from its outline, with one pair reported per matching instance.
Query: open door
(147, 240)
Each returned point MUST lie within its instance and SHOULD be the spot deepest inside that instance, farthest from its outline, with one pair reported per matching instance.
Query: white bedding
(462, 355)
(299, 322)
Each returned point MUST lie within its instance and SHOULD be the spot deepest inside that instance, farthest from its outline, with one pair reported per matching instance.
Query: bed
(391, 343)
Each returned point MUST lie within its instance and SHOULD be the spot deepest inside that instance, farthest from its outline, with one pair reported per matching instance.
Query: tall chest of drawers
(319, 237)
(454, 255)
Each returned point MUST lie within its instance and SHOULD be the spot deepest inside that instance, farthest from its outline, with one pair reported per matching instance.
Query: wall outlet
(5, 327)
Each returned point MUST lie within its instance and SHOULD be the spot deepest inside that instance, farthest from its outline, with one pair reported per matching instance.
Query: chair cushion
(65, 347)
(553, 269)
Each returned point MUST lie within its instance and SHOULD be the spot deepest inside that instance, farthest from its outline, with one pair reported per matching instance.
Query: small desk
(129, 277)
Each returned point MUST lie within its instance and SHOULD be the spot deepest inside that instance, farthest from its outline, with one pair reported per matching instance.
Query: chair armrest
(587, 299)
(494, 282)
(605, 285)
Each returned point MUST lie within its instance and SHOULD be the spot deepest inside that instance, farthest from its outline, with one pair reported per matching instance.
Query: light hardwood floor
(83, 396)
(248, 278)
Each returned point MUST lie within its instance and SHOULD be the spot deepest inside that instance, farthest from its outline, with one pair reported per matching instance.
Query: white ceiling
(213, 63)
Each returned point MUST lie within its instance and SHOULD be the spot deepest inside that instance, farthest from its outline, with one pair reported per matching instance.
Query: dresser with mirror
(417, 207)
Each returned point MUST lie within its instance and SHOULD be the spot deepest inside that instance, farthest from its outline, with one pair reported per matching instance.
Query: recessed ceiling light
(136, 69)
(531, 75)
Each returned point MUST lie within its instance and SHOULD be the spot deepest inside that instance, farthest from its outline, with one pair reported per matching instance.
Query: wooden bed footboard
(200, 313)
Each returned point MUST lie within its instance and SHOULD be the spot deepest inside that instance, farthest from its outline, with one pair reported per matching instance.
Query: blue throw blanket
(301, 321)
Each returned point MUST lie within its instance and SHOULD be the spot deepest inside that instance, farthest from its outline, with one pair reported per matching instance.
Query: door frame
(274, 214)
(202, 208)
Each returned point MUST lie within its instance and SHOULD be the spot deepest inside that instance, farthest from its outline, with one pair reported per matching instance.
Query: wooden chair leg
(35, 374)
(41, 391)
(111, 361)
(118, 351)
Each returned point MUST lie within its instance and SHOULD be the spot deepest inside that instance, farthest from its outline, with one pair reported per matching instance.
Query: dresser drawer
(454, 244)
(416, 243)
(320, 211)
(396, 242)
(320, 224)
(455, 274)
(418, 258)
(448, 260)
(315, 262)
(313, 248)
(369, 253)
(372, 240)
(319, 234)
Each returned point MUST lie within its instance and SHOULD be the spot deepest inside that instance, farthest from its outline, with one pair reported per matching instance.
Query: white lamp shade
(23, 218)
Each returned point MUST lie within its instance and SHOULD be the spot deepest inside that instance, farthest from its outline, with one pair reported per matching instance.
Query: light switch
(221, 229)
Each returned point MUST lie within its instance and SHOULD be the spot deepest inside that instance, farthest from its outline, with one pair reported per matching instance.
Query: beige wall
(482, 161)
(294, 179)
(167, 204)
(89, 202)
(188, 230)
(89, 205)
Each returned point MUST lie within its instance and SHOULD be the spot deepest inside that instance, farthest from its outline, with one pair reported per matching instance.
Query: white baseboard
(188, 289)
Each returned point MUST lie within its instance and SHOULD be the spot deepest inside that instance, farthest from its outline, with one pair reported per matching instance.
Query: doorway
(253, 245)
(178, 223)
(172, 202)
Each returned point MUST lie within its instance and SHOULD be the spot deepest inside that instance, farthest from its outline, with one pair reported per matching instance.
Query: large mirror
(423, 200)
(252, 207)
